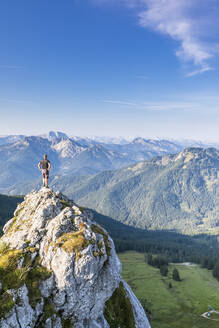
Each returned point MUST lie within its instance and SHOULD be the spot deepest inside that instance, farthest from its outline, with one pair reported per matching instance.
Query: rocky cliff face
(59, 269)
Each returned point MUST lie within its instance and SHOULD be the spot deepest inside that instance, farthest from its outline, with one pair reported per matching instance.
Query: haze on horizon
(110, 68)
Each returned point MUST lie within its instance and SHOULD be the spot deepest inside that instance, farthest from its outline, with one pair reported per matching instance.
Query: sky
(110, 68)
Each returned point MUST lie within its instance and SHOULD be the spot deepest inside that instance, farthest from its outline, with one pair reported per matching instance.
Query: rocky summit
(59, 269)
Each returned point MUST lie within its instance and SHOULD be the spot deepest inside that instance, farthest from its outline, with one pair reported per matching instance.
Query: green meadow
(176, 307)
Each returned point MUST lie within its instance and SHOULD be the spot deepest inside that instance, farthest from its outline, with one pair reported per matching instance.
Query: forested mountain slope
(176, 192)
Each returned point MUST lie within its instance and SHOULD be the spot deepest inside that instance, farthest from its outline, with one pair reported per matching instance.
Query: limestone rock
(59, 268)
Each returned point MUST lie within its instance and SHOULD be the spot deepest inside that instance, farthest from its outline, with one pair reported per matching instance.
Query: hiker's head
(45, 156)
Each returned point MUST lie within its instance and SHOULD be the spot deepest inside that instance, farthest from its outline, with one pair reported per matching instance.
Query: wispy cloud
(191, 23)
(199, 71)
(175, 19)
(16, 101)
(142, 77)
(157, 106)
(120, 102)
(168, 106)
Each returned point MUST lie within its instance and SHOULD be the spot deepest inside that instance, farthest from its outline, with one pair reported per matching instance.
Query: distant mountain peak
(57, 134)
(197, 153)
(52, 135)
(139, 140)
(68, 148)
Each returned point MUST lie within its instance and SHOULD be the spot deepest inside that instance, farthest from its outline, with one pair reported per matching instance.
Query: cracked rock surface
(59, 269)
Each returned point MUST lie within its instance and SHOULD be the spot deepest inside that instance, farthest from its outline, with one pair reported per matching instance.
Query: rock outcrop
(59, 269)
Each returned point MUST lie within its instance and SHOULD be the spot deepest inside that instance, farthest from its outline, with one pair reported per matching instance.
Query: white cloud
(120, 102)
(175, 18)
(189, 22)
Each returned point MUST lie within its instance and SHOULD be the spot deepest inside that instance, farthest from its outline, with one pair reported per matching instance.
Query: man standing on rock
(45, 167)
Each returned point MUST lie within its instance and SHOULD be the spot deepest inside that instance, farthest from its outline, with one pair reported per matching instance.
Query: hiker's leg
(46, 181)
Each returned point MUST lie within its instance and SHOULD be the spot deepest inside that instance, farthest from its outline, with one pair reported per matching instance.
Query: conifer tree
(176, 275)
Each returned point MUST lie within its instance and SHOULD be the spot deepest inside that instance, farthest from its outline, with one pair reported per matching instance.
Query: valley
(178, 306)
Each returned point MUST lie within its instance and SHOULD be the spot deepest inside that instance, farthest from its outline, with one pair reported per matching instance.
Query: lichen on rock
(59, 269)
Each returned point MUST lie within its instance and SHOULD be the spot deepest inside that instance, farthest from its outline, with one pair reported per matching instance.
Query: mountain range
(74, 156)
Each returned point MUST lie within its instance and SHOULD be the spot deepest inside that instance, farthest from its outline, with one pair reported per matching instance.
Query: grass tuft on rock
(30, 273)
(6, 303)
(100, 231)
(73, 242)
(118, 310)
(65, 204)
(32, 279)
(4, 248)
(67, 323)
(14, 226)
(48, 312)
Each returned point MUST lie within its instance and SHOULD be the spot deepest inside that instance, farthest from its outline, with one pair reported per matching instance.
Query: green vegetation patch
(67, 323)
(81, 209)
(9, 277)
(65, 204)
(99, 252)
(73, 242)
(99, 230)
(4, 248)
(118, 310)
(32, 279)
(48, 312)
(214, 315)
(6, 303)
(15, 226)
(12, 277)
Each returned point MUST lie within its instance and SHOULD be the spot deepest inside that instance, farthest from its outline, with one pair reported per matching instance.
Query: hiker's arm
(39, 166)
(49, 166)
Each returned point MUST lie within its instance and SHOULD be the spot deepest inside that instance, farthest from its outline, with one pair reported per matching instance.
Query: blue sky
(110, 67)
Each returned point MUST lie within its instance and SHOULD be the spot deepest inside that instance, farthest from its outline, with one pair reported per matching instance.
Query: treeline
(174, 246)
(201, 252)
(177, 248)
(162, 263)
(211, 264)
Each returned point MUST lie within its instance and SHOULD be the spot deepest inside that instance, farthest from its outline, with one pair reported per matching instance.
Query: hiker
(45, 166)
